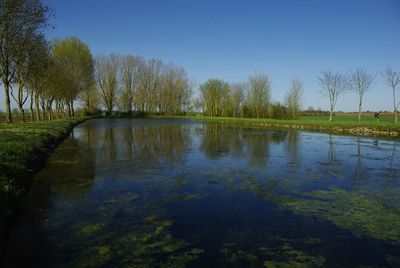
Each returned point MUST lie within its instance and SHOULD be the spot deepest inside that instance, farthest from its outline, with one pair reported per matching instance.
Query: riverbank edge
(329, 127)
(17, 177)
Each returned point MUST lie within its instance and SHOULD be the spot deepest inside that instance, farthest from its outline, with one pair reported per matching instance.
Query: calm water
(176, 193)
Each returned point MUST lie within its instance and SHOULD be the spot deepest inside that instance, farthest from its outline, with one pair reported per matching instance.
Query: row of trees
(52, 75)
(131, 83)
(333, 85)
(251, 99)
(21, 23)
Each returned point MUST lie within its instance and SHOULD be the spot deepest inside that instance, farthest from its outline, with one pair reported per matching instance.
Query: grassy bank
(23, 149)
(340, 124)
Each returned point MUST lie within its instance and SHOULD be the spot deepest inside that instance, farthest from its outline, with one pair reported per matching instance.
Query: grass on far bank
(386, 123)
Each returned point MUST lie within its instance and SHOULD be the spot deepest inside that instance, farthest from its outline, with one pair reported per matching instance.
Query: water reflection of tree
(254, 145)
(108, 149)
(393, 172)
(151, 145)
(394, 158)
(292, 145)
(259, 149)
(331, 159)
(174, 141)
(332, 166)
(358, 174)
(215, 143)
(69, 172)
(127, 136)
(73, 163)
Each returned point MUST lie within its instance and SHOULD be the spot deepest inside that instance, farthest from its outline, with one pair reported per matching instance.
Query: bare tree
(175, 91)
(259, 93)
(107, 79)
(393, 79)
(130, 66)
(26, 64)
(360, 82)
(238, 92)
(19, 20)
(293, 98)
(148, 91)
(332, 86)
(212, 92)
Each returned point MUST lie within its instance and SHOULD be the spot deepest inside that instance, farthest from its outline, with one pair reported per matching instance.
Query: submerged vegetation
(363, 214)
(279, 254)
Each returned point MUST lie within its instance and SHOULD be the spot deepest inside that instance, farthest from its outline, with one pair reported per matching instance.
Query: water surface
(179, 193)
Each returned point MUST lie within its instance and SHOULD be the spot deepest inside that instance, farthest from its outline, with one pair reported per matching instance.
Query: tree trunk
(72, 109)
(69, 110)
(31, 108)
(44, 108)
(331, 115)
(359, 109)
(62, 109)
(8, 107)
(21, 109)
(21, 100)
(37, 108)
(394, 105)
(58, 109)
(87, 104)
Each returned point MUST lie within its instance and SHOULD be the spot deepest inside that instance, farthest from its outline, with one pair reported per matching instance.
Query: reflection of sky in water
(243, 192)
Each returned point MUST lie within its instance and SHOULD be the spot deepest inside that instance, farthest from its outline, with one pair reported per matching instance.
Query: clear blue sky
(234, 39)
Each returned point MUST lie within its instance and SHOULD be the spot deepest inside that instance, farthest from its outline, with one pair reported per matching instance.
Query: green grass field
(368, 118)
(386, 122)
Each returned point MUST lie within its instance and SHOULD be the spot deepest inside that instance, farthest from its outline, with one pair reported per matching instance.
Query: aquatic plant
(364, 215)
(281, 254)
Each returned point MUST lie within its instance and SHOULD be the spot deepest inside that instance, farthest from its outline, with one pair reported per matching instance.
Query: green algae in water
(280, 255)
(158, 221)
(90, 228)
(188, 197)
(93, 257)
(364, 215)
(144, 241)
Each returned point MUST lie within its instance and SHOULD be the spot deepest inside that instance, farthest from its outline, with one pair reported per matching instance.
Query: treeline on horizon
(54, 74)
